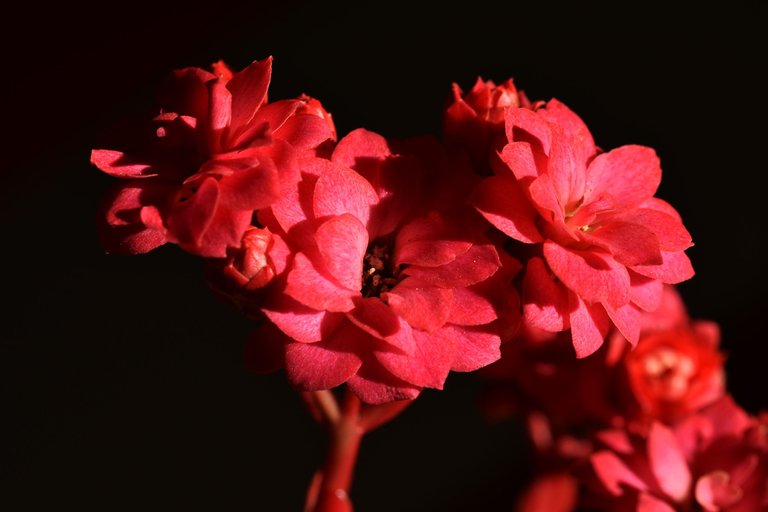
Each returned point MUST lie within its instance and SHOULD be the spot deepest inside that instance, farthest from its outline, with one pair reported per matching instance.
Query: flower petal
(627, 320)
(375, 385)
(594, 276)
(429, 242)
(310, 287)
(630, 244)
(119, 164)
(327, 363)
(668, 462)
(612, 473)
(342, 241)
(578, 134)
(249, 91)
(675, 268)
(545, 302)
(429, 364)
(645, 292)
(475, 265)
(630, 174)
(421, 305)
(470, 307)
(589, 326)
(523, 124)
(475, 348)
(669, 230)
(374, 317)
(501, 201)
(302, 323)
(341, 190)
(190, 219)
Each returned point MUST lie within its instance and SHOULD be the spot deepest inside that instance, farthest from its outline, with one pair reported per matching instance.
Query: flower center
(670, 372)
(379, 274)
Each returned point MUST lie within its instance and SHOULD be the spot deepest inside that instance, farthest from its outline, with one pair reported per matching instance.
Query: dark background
(122, 378)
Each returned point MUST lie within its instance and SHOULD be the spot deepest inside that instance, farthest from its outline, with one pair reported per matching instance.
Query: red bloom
(603, 244)
(216, 153)
(475, 121)
(716, 460)
(386, 291)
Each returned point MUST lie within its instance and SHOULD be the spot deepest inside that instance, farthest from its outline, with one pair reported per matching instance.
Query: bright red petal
(668, 462)
(302, 323)
(589, 326)
(249, 91)
(501, 201)
(545, 302)
(475, 265)
(342, 242)
(341, 190)
(310, 287)
(631, 174)
(630, 244)
(423, 307)
(676, 268)
(475, 348)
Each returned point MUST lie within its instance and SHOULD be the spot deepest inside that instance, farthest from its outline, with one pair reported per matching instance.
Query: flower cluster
(649, 428)
(385, 264)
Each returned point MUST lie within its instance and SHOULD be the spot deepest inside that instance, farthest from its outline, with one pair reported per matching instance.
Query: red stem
(337, 473)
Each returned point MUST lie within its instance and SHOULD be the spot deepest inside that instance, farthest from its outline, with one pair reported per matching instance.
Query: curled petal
(501, 201)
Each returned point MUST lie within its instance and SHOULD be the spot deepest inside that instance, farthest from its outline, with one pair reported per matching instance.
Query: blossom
(217, 152)
(388, 289)
(715, 460)
(475, 121)
(600, 244)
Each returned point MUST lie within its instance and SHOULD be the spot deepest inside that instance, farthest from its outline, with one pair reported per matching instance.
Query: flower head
(599, 244)
(216, 152)
(388, 289)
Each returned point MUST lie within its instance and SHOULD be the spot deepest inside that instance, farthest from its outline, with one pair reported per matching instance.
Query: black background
(122, 378)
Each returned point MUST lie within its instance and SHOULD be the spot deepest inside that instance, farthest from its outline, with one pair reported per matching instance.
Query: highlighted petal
(501, 201)
(341, 190)
(310, 287)
(630, 174)
(342, 241)
(630, 244)
(594, 276)
(676, 267)
(422, 306)
(249, 90)
(668, 462)
(120, 165)
(627, 320)
(589, 326)
(545, 302)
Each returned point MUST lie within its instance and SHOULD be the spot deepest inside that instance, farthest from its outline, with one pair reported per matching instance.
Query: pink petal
(645, 292)
(474, 347)
(594, 276)
(119, 164)
(374, 317)
(631, 174)
(630, 244)
(249, 91)
(342, 242)
(545, 303)
(328, 363)
(429, 364)
(295, 204)
(302, 323)
(558, 114)
(375, 385)
(521, 160)
(668, 462)
(524, 124)
(612, 473)
(556, 492)
(566, 171)
(310, 287)
(305, 131)
(256, 187)
(627, 320)
(715, 491)
(422, 306)
(190, 219)
(589, 326)
(647, 503)
(121, 227)
(219, 115)
(501, 201)
(341, 190)
(428, 242)
(676, 267)
(475, 265)
(361, 149)
(470, 307)
(669, 231)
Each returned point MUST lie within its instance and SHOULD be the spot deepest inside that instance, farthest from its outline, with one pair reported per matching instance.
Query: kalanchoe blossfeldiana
(599, 244)
(715, 460)
(217, 152)
(392, 283)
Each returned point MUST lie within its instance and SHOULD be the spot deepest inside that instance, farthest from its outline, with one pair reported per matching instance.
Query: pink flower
(217, 152)
(600, 244)
(389, 289)
(716, 460)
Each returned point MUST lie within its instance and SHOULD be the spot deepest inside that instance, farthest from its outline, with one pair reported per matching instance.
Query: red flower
(602, 243)
(716, 460)
(386, 291)
(475, 121)
(216, 153)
